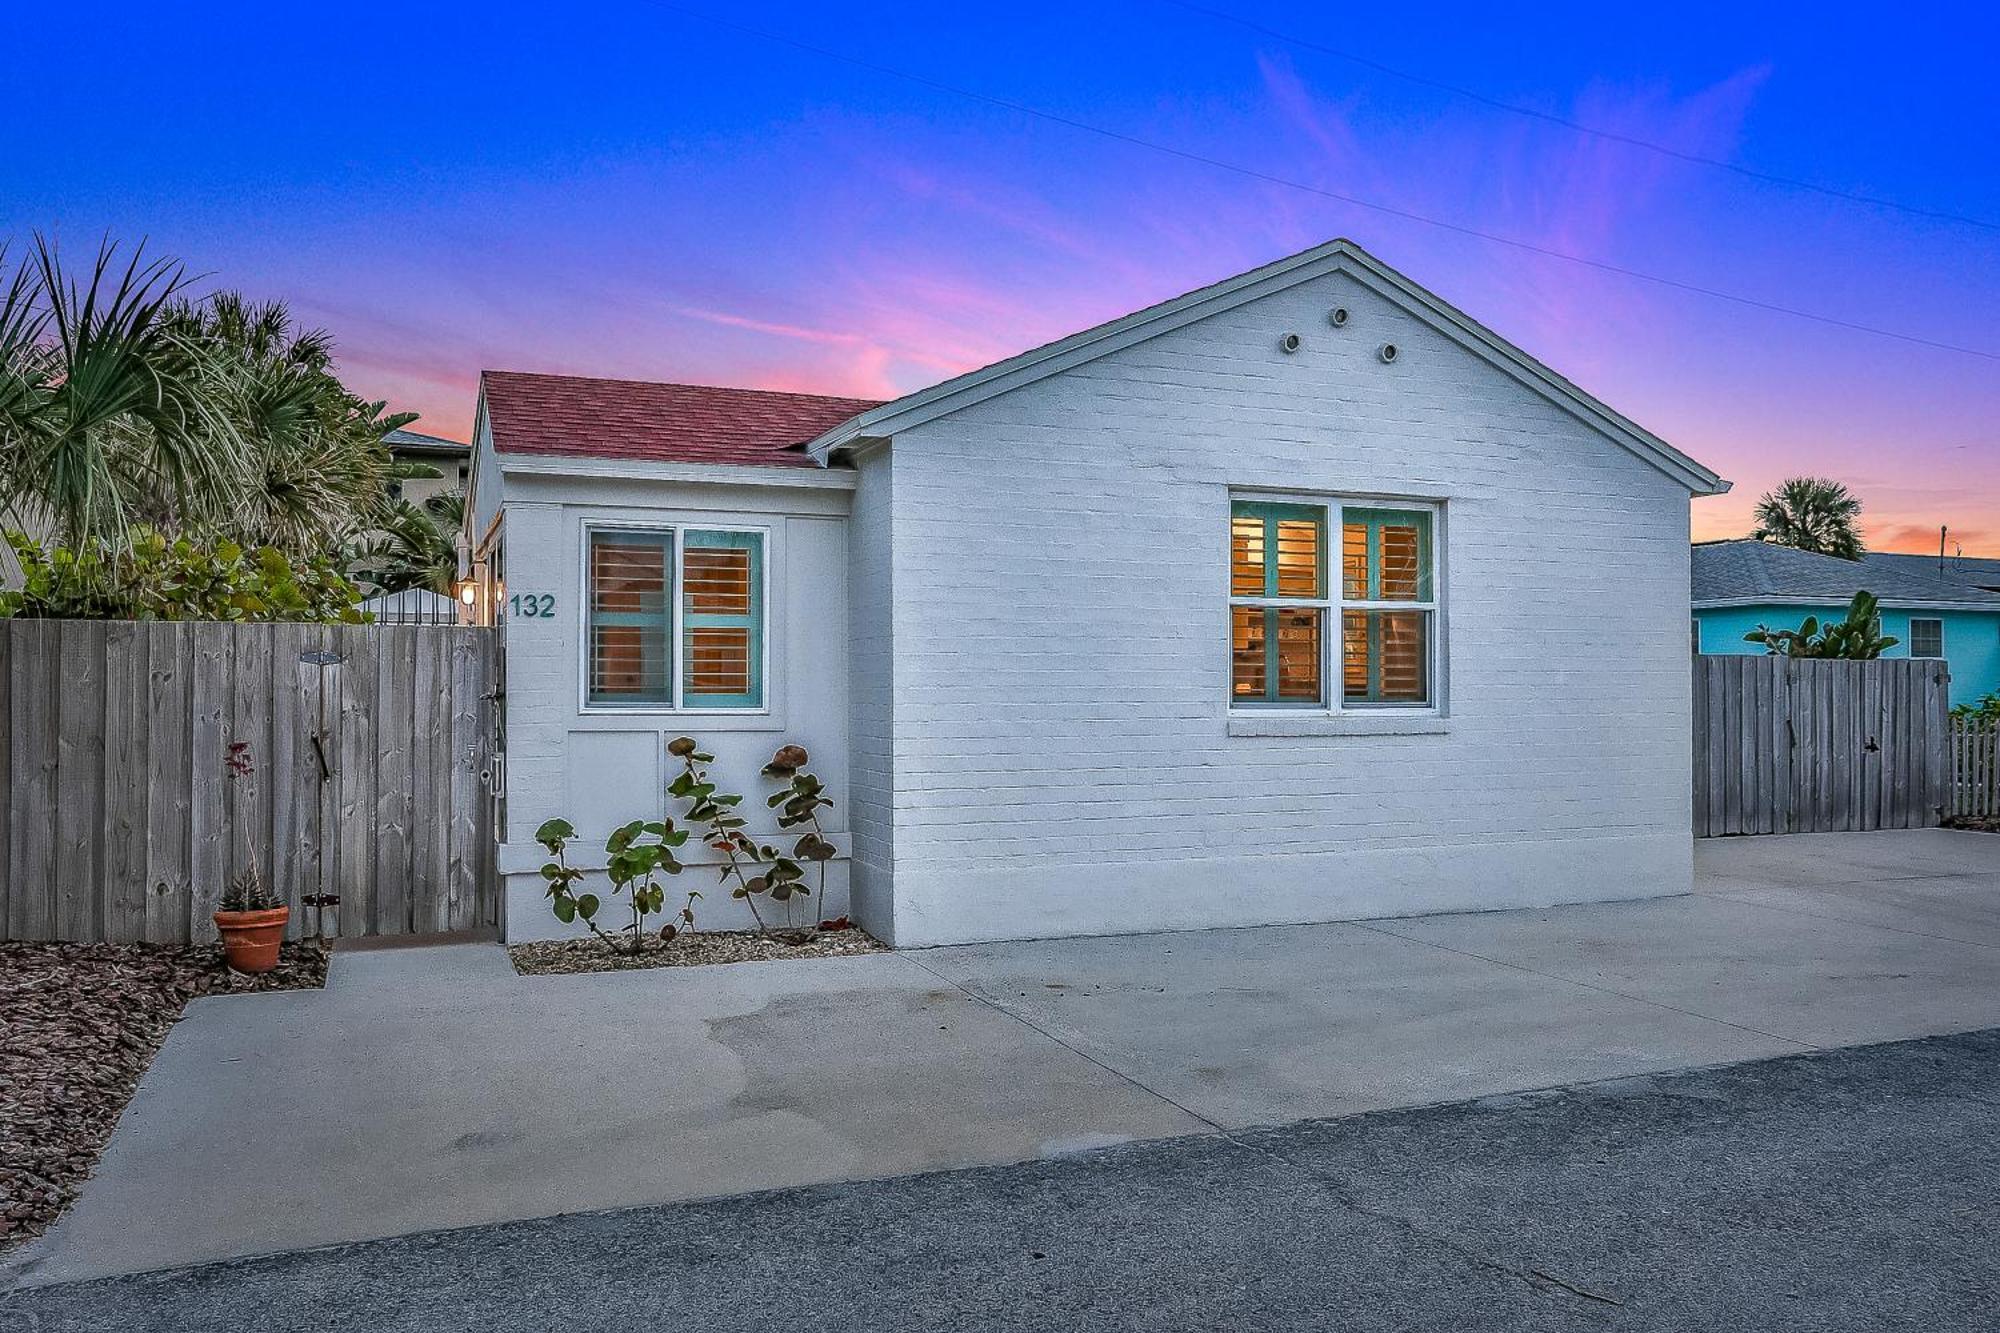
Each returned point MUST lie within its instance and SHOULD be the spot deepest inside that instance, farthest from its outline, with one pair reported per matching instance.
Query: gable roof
(578, 417)
(1978, 571)
(1754, 573)
(1335, 256)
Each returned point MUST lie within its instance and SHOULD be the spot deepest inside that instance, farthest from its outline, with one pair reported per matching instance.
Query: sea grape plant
(756, 870)
(1858, 638)
(798, 804)
(636, 855)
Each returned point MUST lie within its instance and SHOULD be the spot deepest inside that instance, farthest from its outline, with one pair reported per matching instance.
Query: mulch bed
(1981, 824)
(690, 949)
(79, 1023)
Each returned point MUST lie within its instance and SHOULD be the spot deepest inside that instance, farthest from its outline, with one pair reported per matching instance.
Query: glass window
(1926, 638)
(1281, 605)
(635, 657)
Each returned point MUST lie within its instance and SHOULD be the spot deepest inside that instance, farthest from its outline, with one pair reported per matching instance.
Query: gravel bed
(691, 949)
(79, 1023)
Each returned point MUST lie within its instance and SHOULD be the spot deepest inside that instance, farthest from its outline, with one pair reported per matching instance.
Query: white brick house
(1298, 597)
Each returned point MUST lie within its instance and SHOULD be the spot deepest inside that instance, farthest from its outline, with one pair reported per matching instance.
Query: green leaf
(565, 910)
(586, 905)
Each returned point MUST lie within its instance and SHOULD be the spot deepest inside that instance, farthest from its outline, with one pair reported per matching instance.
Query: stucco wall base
(528, 916)
(937, 905)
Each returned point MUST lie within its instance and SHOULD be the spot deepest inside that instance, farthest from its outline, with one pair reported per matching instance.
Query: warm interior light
(468, 592)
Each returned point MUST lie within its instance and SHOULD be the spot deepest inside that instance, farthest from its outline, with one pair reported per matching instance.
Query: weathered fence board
(369, 744)
(1785, 745)
(1975, 767)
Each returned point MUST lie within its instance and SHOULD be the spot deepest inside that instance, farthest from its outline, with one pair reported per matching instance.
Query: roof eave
(1835, 599)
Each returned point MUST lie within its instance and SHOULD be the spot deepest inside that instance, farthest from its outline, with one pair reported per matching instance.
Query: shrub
(637, 854)
(1858, 638)
(155, 578)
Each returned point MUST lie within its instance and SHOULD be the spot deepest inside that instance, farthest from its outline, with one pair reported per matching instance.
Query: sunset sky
(627, 189)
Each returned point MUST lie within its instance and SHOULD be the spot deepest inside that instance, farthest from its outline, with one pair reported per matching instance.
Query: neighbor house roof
(573, 416)
(1335, 256)
(1754, 573)
(409, 441)
(1979, 571)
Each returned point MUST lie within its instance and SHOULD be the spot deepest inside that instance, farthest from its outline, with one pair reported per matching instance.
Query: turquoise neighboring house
(1946, 608)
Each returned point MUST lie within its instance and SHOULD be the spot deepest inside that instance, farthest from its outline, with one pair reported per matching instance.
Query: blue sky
(628, 190)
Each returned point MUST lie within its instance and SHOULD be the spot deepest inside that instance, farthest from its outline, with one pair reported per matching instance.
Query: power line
(1593, 131)
(1252, 173)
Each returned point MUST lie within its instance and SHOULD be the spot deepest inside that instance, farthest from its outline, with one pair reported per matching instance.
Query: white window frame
(1938, 656)
(675, 636)
(1332, 635)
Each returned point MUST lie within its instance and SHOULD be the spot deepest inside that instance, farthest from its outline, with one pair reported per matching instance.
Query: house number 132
(532, 605)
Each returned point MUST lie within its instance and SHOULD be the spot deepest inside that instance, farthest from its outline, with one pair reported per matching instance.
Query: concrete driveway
(430, 1088)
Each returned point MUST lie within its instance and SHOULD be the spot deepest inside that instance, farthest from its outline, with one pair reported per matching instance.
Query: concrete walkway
(429, 1088)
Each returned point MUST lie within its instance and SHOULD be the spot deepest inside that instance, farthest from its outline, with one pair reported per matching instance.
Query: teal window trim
(700, 539)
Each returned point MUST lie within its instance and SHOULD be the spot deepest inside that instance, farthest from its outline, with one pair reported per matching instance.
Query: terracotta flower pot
(250, 940)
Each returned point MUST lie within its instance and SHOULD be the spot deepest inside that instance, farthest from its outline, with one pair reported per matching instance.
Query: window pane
(630, 657)
(722, 642)
(1300, 559)
(1354, 561)
(1385, 555)
(1246, 555)
(628, 664)
(1277, 550)
(1926, 638)
(718, 661)
(1385, 657)
(1299, 654)
(1248, 679)
(1401, 556)
(717, 581)
(628, 574)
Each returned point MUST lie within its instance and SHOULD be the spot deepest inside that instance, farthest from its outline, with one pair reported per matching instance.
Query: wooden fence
(1975, 768)
(1804, 746)
(370, 748)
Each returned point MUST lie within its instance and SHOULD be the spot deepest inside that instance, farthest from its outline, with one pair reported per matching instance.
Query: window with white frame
(1926, 638)
(1303, 610)
(675, 618)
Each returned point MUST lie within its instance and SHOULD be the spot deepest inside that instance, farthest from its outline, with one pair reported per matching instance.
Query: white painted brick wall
(601, 769)
(1058, 608)
(871, 674)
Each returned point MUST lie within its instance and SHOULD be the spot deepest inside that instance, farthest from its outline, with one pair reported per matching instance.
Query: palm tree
(416, 546)
(102, 408)
(1811, 514)
(315, 467)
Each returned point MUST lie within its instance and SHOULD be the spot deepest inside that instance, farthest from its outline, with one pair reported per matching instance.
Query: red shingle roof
(662, 423)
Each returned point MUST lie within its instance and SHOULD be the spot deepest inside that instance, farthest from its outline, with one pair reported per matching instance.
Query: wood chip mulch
(79, 1023)
(1977, 823)
(691, 949)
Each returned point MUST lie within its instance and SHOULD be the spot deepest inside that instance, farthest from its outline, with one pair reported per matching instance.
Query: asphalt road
(1849, 1190)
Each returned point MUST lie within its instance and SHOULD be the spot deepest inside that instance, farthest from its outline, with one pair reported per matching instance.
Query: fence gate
(1784, 745)
(367, 809)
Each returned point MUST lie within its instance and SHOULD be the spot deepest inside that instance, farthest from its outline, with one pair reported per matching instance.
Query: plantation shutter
(722, 619)
(630, 648)
(1277, 554)
(1385, 653)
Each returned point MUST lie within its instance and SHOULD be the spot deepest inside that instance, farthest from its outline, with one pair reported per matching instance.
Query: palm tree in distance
(1811, 514)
